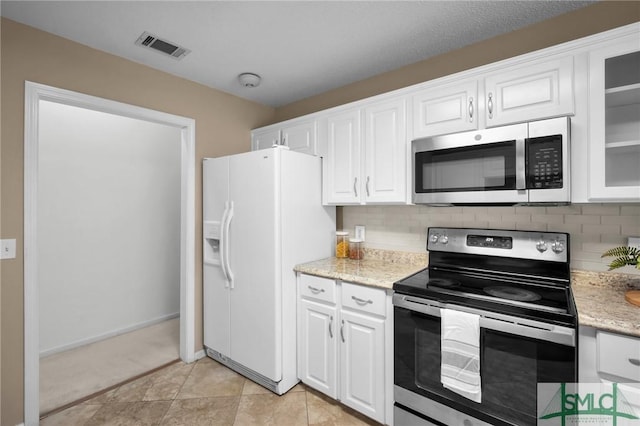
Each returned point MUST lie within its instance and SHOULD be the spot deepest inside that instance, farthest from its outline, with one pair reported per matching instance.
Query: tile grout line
(106, 390)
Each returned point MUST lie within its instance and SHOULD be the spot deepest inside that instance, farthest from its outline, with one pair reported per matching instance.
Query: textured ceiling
(300, 48)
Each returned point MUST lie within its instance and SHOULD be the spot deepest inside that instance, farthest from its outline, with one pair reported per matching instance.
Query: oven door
(514, 358)
(471, 167)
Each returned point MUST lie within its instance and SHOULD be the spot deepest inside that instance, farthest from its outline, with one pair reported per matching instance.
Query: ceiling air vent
(163, 46)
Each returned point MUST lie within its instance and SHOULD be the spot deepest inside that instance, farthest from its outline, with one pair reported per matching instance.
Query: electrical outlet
(8, 249)
(359, 234)
(633, 242)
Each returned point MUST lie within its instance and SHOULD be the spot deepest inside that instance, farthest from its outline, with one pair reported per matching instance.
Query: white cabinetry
(606, 357)
(366, 159)
(341, 177)
(529, 92)
(298, 135)
(524, 92)
(443, 109)
(614, 121)
(353, 325)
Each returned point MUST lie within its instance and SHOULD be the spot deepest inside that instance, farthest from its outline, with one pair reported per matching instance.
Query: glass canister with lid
(356, 249)
(342, 244)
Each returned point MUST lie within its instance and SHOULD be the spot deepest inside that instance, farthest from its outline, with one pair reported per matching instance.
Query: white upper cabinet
(385, 152)
(341, 181)
(528, 92)
(614, 121)
(366, 154)
(445, 109)
(265, 138)
(298, 135)
(525, 92)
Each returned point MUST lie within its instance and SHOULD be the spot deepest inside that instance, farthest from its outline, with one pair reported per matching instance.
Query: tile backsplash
(593, 228)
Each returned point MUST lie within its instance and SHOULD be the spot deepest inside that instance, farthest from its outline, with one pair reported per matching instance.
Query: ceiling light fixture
(248, 79)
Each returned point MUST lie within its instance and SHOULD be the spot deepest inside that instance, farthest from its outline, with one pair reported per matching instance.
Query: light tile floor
(205, 393)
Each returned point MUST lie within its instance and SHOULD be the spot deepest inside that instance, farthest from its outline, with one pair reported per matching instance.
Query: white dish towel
(460, 364)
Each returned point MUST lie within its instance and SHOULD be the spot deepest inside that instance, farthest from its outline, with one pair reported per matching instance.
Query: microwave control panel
(544, 162)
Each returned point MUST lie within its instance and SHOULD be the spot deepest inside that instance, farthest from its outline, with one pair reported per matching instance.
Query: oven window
(510, 368)
(471, 168)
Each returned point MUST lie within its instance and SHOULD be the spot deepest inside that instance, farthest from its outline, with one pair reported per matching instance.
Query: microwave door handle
(521, 182)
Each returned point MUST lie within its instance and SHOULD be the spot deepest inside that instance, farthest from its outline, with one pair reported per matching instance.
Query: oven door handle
(493, 321)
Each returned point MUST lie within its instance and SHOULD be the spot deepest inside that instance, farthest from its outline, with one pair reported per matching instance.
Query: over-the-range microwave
(520, 164)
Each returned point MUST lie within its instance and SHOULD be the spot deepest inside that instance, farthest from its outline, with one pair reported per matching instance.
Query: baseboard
(200, 354)
(107, 335)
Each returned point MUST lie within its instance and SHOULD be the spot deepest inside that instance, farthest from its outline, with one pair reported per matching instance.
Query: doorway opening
(172, 309)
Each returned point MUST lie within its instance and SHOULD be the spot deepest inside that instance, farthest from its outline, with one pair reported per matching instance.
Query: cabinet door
(614, 121)
(362, 363)
(449, 109)
(261, 139)
(385, 150)
(530, 92)
(301, 137)
(342, 166)
(317, 346)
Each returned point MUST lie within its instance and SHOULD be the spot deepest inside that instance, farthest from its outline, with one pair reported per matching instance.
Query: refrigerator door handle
(223, 244)
(226, 245)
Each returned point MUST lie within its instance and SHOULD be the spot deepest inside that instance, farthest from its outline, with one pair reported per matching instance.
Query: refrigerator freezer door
(215, 284)
(254, 253)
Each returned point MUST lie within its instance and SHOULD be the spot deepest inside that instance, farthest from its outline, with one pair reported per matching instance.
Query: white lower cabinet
(607, 358)
(318, 338)
(342, 336)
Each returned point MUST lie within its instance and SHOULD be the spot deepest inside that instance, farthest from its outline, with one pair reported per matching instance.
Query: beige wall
(223, 124)
(589, 20)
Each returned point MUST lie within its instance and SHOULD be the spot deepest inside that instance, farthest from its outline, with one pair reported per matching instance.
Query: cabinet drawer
(312, 287)
(365, 299)
(618, 355)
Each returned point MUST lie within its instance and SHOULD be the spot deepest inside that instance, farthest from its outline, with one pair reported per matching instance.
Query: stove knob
(443, 239)
(557, 246)
(542, 246)
(434, 238)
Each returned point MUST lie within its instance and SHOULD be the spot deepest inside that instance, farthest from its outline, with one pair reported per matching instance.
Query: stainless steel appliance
(518, 284)
(525, 163)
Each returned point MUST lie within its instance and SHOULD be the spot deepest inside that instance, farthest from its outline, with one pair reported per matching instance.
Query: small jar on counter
(342, 244)
(356, 249)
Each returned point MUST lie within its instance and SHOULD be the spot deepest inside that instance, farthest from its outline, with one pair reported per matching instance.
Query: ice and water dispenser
(211, 231)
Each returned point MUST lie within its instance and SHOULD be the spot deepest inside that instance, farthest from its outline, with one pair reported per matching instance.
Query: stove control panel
(551, 246)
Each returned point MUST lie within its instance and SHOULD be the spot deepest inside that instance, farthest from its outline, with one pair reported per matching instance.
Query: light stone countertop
(599, 296)
(600, 301)
(378, 268)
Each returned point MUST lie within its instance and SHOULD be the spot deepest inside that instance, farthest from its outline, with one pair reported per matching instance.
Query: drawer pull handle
(361, 301)
(342, 331)
(330, 326)
(315, 290)
(635, 361)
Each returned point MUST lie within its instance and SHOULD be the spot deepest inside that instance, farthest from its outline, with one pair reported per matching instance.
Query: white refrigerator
(262, 214)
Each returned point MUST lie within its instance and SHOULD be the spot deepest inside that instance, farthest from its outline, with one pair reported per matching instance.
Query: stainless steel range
(490, 318)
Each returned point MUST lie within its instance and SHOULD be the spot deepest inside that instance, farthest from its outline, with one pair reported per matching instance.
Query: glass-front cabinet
(614, 121)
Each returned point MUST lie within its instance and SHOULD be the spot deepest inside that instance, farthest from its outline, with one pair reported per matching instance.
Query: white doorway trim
(34, 93)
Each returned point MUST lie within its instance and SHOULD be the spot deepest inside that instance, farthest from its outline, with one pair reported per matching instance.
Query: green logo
(584, 407)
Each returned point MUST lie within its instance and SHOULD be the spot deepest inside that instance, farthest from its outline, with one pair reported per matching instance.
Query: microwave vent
(151, 41)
